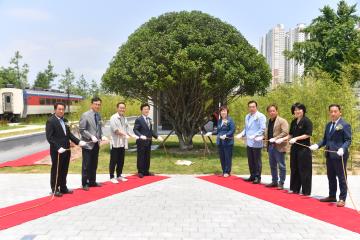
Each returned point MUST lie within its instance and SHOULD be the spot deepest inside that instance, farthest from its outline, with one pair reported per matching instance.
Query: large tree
(186, 63)
(333, 44)
(16, 73)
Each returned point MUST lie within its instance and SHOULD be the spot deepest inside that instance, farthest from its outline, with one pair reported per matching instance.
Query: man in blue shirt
(255, 125)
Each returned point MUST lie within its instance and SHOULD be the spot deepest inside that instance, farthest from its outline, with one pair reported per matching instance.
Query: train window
(8, 99)
(53, 101)
(48, 101)
(42, 101)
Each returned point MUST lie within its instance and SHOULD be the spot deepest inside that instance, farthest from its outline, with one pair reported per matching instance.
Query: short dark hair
(59, 103)
(298, 106)
(95, 99)
(224, 107)
(144, 105)
(117, 105)
(272, 105)
(252, 101)
(335, 105)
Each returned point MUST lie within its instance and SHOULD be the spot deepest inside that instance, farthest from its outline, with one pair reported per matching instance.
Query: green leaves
(187, 58)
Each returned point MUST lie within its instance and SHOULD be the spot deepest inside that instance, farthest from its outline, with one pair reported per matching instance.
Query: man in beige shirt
(277, 128)
(119, 129)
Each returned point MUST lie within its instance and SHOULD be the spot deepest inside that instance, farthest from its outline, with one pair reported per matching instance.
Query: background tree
(334, 42)
(188, 61)
(16, 73)
(94, 89)
(82, 87)
(66, 81)
(45, 78)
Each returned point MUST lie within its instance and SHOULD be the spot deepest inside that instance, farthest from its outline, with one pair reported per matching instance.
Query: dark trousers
(117, 156)
(143, 157)
(254, 161)
(61, 172)
(225, 152)
(301, 170)
(89, 165)
(335, 169)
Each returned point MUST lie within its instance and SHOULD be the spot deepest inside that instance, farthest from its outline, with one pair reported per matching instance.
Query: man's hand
(314, 147)
(82, 143)
(292, 141)
(61, 150)
(279, 141)
(272, 140)
(340, 152)
(104, 138)
(94, 139)
(160, 138)
(259, 138)
(143, 137)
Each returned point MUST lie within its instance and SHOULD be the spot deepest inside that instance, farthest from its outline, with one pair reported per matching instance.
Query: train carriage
(19, 103)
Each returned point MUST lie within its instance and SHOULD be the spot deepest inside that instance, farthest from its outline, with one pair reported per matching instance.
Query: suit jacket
(56, 136)
(228, 129)
(281, 129)
(254, 126)
(141, 128)
(339, 138)
(88, 128)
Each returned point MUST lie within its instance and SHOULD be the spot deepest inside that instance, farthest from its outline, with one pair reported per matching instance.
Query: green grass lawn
(7, 127)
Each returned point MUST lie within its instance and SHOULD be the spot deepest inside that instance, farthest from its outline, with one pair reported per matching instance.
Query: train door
(7, 99)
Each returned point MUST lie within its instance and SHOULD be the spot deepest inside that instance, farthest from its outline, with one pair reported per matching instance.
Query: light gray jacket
(87, 127)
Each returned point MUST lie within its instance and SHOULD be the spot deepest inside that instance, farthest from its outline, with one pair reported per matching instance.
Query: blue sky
(85, 35)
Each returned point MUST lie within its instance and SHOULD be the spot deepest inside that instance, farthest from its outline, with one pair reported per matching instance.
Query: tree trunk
(185, 142)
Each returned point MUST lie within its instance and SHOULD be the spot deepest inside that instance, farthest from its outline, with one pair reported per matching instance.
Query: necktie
(62, 125)
(96, 119)
(148, 122)
(332, 128)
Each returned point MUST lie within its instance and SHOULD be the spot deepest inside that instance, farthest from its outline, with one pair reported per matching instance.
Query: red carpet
(328, 212)
(79, 197)
(27, 160)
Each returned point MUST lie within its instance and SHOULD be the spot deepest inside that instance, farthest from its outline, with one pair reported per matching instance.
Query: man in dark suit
(144, 132)
(337, 138)
(58, 134)
(90, 127)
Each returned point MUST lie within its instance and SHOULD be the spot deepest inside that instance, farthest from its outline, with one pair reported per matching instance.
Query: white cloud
(29, 14)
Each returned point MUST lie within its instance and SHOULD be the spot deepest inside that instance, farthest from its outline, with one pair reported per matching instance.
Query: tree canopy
(334, 42)
(186, 63)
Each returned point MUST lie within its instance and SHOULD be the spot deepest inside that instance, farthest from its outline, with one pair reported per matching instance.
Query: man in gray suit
(91, 132)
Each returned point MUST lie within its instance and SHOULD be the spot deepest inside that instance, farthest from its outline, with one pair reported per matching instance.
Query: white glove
(61, 150)
(272, 140)
(143, 137)
(279, 141)
(104, 138)
(223, 137)
(94, 139)
(208, 134)
(82, 143)
(314, 147)
(251, 137)
(239, 136)
(292, 141)
(259, 138)
(340, 152)
(160, 138)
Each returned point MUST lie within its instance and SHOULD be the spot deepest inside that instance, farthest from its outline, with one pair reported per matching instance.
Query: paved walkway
(181, 207)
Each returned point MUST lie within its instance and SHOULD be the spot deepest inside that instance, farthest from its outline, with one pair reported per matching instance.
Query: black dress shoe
(149, 174)
(280, 186)
(328, 199)
(67, 191)
(273, 184)
(85, 188)
(95, 185)
(57, 194)
(256, 181)
(140, 175)
(250, 179)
